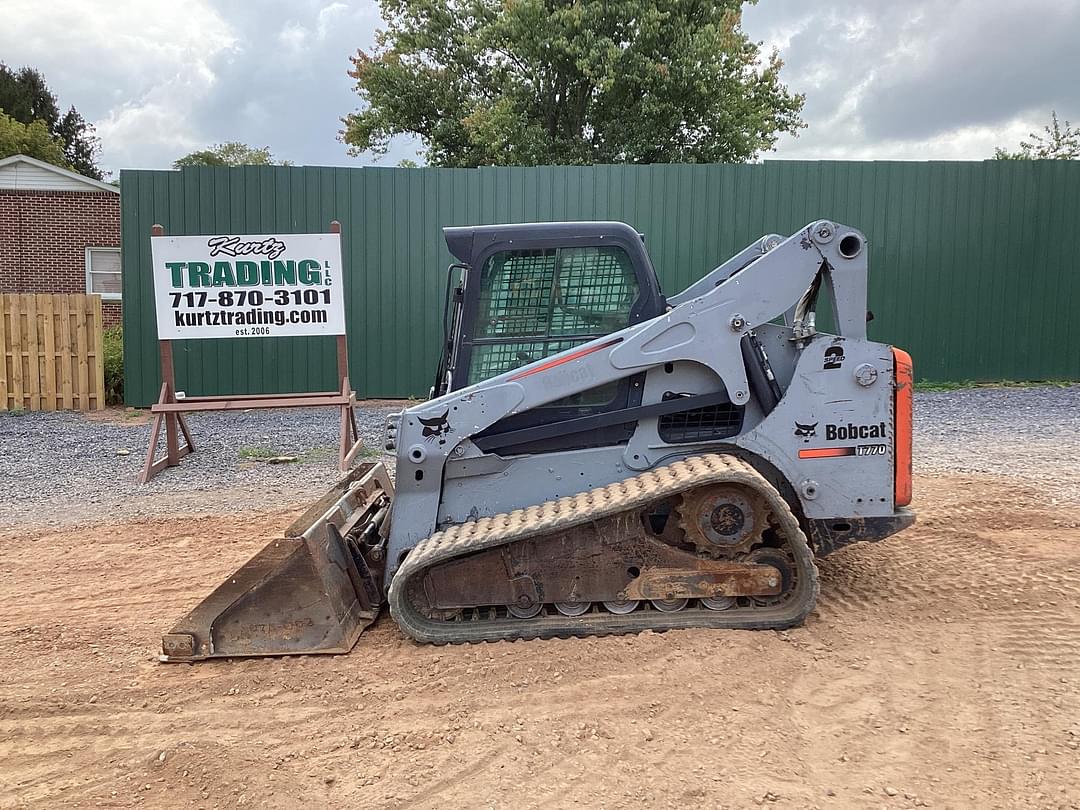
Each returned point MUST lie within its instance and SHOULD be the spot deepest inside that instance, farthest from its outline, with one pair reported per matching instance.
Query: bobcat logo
(806, 431)
(437, 428)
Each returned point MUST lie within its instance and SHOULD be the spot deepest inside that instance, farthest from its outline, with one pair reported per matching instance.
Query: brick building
(59, 233)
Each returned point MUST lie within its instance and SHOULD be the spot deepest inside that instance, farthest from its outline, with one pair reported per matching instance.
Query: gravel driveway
(64, 468)
(1030, 434)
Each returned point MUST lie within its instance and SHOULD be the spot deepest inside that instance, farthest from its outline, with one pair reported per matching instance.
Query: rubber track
(559, 515)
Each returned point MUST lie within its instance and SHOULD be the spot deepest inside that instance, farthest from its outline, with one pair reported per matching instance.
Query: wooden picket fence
(50, 353)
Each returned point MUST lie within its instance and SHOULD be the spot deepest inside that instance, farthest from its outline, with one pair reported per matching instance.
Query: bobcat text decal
(840, 433)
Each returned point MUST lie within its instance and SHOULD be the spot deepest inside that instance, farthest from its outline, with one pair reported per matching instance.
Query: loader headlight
(392, 423)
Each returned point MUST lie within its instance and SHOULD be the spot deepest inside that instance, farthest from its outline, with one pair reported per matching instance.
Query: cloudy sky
(916, 80)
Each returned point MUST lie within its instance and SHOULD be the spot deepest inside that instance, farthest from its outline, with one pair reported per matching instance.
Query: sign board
(248, 286)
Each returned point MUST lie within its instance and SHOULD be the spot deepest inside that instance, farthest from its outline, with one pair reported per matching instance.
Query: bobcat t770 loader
(596, 458)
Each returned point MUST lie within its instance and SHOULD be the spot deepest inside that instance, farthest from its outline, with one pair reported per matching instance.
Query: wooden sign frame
(169, 410)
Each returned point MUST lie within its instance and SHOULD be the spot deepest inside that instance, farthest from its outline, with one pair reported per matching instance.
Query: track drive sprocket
(722, 520)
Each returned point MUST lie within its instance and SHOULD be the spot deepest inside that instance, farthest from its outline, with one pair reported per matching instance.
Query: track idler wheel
(782, 562)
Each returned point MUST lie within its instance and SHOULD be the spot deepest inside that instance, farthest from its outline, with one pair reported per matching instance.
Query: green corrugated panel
(972, 266)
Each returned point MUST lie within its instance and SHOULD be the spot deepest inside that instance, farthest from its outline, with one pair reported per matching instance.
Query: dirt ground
(940, 669)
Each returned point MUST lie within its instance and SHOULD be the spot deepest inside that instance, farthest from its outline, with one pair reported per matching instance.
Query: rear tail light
(902, 414)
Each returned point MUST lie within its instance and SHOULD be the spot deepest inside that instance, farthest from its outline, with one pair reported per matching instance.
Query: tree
(231, 153)
(1058, 143)
(32, 140)
(25, 97)
(526, 82)
(81, 145)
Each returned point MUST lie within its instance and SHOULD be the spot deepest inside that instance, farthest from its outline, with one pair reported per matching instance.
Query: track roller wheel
(572, 608)
(524, 611)
(719, 602)
(669, 605)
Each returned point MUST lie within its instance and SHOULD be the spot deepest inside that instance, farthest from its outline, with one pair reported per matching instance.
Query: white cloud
(927, 79)
(964, 143)
(138, 72)
(294, 37)
(328, 16)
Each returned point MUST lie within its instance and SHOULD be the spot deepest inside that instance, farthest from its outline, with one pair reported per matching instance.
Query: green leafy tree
(81, 145)
(1056, 143)
(32, 140)
(526, 82)
(25, 96)
(231, 153)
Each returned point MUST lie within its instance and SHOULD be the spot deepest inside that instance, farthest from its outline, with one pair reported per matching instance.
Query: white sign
(248, 286)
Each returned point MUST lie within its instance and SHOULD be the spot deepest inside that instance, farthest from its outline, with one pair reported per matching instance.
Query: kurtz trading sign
(248, 286)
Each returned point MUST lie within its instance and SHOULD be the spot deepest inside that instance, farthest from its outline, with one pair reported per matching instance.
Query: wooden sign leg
(352, 421)
(174, 451)
(343, 439)
(187, 434)
(172, 441)
(350, 436)
(148, 471)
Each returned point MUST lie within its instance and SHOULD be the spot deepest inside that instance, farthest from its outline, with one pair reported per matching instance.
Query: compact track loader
(596, 458)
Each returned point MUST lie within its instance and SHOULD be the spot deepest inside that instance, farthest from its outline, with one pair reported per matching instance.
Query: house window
(103, 272)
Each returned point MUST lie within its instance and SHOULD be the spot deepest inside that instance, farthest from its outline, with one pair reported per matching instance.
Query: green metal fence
(973, 266)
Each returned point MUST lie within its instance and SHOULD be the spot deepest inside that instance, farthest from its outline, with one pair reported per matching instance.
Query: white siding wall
(25, 176)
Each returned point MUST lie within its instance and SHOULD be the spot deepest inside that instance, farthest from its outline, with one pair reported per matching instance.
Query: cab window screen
(515, 293)
(594, 292)
(536, 303)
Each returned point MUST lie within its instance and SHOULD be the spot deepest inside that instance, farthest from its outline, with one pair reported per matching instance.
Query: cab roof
(467, 242)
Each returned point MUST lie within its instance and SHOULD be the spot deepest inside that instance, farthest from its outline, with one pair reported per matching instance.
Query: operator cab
(525, 292)
(543, 288)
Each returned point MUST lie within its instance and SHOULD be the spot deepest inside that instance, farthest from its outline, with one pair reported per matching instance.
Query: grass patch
(312, 455)
(112, 350)
(259, 453)
(928, 385)
(317, 454)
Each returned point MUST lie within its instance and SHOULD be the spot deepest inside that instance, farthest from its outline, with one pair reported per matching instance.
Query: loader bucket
(312, 591)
